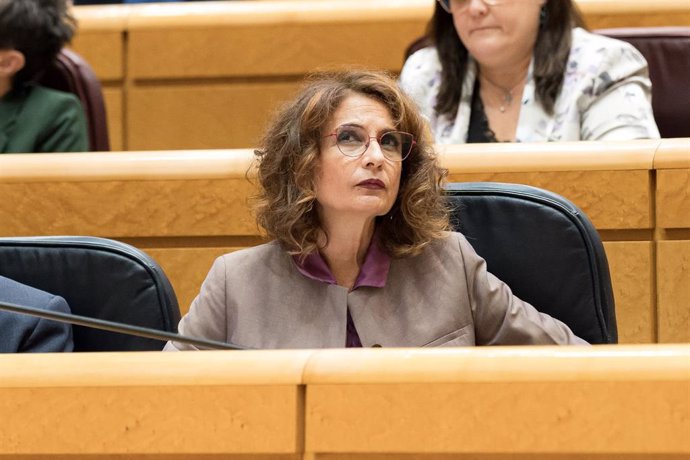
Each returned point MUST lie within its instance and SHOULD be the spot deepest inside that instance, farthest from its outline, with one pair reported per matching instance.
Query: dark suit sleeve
(50, 336)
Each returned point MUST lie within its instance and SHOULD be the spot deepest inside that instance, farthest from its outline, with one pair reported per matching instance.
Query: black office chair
(544, 248)
(99, 278)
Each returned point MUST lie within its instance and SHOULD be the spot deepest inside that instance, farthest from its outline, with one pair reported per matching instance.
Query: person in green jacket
(34, 119)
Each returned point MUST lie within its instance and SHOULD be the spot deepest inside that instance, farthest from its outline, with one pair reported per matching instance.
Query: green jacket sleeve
(41, 120)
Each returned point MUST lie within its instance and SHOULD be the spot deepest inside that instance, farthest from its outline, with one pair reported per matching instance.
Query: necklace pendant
(502, 109)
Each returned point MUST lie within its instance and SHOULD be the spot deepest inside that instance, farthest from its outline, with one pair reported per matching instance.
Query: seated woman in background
(526, 71)
(350, 191)
(32, 118)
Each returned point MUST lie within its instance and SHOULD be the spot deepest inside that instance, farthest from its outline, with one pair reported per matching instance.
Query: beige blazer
(444, 297)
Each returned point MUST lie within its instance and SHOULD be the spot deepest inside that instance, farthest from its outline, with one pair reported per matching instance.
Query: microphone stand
(121, 328)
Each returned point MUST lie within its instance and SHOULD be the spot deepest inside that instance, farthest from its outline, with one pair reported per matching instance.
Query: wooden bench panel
(673, 268)
(113, 97)
(265, 39)
(125, 209)
(489, 403)
(104, 51)
(202, 116)
(613, 200)
(152, 404)
(632, 275)
(395, 404)
(673, 198)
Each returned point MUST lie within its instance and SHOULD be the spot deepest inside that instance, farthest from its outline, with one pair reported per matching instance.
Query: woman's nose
(476, 7)
(374, 155)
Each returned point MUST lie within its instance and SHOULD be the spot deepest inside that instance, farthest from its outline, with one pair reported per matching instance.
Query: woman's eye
(390, 141)
(349, 136)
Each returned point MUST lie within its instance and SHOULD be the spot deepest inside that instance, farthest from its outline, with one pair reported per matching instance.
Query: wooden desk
(152, 404)
(500, 403)
(208, 75)
(623, 402)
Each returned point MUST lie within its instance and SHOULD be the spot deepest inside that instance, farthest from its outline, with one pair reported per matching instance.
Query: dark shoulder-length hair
(550, 54)
(287, 158)
(38, 29)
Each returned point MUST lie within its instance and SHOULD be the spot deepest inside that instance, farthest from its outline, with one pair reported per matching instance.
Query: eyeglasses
(460, 6)
(353, 141)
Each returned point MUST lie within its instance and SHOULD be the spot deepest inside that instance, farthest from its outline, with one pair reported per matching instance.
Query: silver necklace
(507, 94)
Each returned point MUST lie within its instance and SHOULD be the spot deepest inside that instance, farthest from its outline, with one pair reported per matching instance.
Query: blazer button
(376, 345)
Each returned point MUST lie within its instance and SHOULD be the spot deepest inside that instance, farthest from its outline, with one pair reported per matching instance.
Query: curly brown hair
(287, 159)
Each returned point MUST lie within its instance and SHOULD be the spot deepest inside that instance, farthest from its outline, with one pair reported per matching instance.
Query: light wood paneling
(267, 41)
(673, 154)
(629, 402)
(673, 268)
(202, 116)
(678, 17)
(632, 275)
(113, 97)
(225, 419)
(100, 40)
(385, 403)
(613, 200)
(104, 51)
(673, 198)
(120, 209)
(498, 418)
(601, 14)
(152, 403)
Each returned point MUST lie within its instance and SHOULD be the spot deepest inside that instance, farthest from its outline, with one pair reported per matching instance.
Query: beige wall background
(208, 75)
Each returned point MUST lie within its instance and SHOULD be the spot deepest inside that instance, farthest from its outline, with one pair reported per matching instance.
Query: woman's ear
(11, 62)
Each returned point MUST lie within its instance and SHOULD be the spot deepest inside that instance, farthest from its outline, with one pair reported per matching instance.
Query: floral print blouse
(606, 95)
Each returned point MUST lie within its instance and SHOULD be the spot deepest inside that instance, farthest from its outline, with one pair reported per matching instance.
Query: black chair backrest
(544, 248)
(99, 278)
(72, 74)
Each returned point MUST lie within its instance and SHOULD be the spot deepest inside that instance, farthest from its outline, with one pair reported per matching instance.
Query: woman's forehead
(361, 109)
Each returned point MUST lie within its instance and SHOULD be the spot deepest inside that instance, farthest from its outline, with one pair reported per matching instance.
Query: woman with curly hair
(362, 255)
(35, 119)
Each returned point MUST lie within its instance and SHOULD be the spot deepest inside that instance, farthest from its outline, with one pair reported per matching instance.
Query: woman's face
(356, 187)
(498, 35)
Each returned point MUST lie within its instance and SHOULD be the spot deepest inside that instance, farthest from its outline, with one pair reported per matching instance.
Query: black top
(479, 130)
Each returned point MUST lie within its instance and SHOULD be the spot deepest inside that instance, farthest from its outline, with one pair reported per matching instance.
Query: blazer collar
(10, 107)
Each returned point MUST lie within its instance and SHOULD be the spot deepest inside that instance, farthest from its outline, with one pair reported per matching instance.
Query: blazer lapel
(10, 105)
(534, 124)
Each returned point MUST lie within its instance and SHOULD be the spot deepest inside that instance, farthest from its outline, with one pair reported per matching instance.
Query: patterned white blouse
(606, 95)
